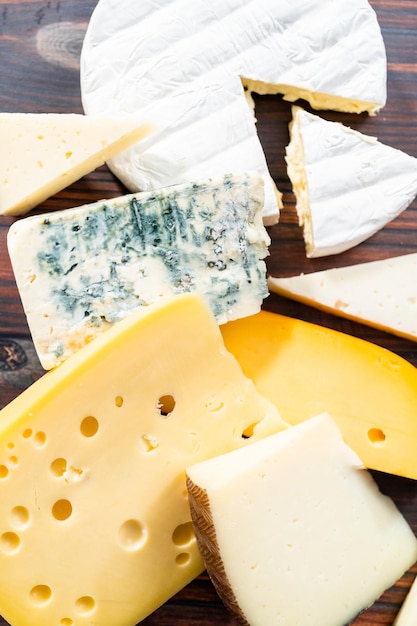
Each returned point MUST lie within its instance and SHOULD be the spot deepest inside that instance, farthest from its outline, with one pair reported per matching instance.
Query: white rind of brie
(182, 65)
(347, 185)
(380, 293)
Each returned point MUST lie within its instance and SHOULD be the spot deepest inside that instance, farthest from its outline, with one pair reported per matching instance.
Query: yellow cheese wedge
(306, 369)
(95, 525)
(40, 154)
(293, 530)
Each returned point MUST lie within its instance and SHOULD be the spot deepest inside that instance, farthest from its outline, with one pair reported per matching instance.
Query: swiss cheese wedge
(379, 293)
(293, 530)
(306, 369)
(347, 185)
(40, 154)
(191, 60)
(95, 526)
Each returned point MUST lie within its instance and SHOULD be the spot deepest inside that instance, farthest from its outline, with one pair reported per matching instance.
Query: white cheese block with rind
(347, 185)
(294, 531)
(380, 293)
(181, 64)
(80, 270)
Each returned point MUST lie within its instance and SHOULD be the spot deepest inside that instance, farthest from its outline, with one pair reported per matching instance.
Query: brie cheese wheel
(379, 293)
(347, 185)
(293, 530)
(183, 65)
(42, 153)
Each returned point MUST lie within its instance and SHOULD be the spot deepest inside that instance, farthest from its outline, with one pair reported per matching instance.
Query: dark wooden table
(40, 42)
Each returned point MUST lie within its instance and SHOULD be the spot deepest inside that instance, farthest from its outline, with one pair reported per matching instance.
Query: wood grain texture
(40, 42)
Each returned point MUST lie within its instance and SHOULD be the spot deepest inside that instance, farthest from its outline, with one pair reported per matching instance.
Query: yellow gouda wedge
(306, 369)
(95, 526)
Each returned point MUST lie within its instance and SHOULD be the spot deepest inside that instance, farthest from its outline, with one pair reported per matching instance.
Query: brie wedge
(183, 65)
(347, 185)
(380, 293)
(42, 153)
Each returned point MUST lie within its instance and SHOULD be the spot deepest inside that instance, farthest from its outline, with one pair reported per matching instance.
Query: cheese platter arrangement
(208, 313)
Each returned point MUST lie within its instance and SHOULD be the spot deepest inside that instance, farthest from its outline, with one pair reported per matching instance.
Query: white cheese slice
(379, 293)
(80, 270)
(40, 154)
(347, 185)
(293, 530)
(180, 64)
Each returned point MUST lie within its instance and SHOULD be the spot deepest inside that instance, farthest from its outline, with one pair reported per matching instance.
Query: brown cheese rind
(207, 543)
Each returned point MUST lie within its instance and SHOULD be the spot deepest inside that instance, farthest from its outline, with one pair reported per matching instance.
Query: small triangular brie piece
(293, 531)
(42, 153)
(379, 293)
(347, 185)
(183, 66)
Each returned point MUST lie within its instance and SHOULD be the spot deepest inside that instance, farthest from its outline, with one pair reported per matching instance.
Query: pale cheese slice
(80, 270)
(347, 185)
(41, 154)
(379, 293)
(293, 530)
(181, 63)
(95, 526)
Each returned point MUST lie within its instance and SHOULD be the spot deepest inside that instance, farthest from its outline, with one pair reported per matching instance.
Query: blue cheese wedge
(42, 153)
(183, 66)
(80, 270)
(379, 293)
(347, 185)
